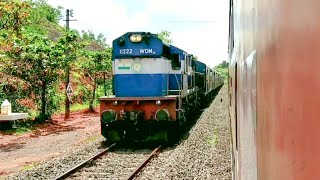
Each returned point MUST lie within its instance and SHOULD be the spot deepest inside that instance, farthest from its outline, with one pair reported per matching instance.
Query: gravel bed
(115, 165)
(205, 154)
(56, 166)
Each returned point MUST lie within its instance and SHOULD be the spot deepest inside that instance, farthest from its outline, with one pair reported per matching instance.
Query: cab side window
(175, 62)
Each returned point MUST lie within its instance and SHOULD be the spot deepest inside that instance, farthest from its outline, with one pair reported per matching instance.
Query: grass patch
(28, 167)
(19, 128)
(91, 139)
(76, 107)
(214, 140)
(22, 130)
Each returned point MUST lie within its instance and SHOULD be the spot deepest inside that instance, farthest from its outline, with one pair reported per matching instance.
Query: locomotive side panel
(131, 75)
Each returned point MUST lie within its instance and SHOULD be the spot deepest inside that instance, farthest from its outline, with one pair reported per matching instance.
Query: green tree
(43, 11)
(32, 16)
(222, 69)
(34, 50)
(165, 36)
(43, 19)
(97, 64)
(38, 61)
(13, 16)
(223, 64)
(100, 40)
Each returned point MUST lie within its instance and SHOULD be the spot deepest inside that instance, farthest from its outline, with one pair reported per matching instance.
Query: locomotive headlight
(136, 38)
(158, 102)
(162, 115)
(115, 103)
(108, 116)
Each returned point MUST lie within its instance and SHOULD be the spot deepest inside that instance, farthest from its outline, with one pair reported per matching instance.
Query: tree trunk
(91, 108)
(43, 99)
(104, 83)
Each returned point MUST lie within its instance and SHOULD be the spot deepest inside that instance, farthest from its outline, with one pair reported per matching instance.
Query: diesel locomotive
(156, 86)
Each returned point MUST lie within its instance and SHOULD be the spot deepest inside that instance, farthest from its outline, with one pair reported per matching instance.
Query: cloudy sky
(199, 27)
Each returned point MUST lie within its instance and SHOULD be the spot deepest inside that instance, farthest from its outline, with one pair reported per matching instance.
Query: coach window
(175, 62)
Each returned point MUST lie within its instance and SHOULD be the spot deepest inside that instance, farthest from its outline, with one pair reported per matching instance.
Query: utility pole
(69, 13)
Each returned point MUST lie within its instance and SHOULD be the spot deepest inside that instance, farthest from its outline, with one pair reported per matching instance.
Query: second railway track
(120, 164)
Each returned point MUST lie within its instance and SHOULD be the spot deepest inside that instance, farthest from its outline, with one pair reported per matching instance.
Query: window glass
(175, 62)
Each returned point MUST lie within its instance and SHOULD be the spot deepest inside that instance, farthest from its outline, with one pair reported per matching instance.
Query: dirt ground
(49, 140)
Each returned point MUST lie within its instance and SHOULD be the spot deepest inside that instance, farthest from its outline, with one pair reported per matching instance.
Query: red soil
(47, 140)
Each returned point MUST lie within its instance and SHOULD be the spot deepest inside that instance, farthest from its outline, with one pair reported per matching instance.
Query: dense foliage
(222, 69)
(34, 51)
(97, 64)
(165, 36)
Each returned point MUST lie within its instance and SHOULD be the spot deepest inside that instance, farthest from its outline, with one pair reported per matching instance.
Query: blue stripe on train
(174, 81)
(140, 85)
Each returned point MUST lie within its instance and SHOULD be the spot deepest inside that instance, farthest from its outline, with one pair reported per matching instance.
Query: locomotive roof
(157, 41)
(176, 50)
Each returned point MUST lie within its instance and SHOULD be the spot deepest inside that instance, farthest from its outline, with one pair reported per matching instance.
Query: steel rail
(142, 165)
(94, 157)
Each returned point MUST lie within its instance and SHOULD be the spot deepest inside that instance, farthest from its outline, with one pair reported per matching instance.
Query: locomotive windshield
(175, 62)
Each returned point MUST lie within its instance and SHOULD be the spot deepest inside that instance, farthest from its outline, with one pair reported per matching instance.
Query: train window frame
(231, 28)
(175, 61)
(186, 64)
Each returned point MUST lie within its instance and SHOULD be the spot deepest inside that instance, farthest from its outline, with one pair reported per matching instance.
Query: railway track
(143, 164)
(113, 165)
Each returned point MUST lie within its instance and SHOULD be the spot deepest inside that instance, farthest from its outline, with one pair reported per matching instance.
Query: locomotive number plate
(125, 51)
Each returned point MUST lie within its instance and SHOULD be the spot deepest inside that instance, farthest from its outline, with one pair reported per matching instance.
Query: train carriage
(274, 88)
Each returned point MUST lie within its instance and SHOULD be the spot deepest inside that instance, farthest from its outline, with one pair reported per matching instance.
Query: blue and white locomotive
(155, 86)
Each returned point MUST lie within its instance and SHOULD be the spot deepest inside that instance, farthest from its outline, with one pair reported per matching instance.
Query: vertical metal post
(67, 102)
